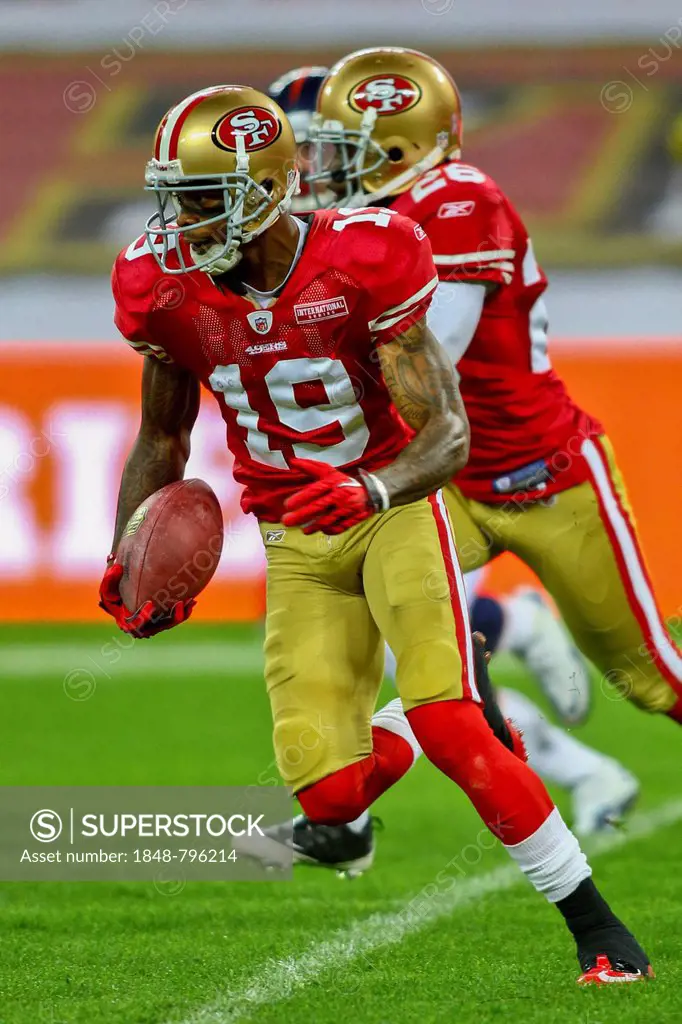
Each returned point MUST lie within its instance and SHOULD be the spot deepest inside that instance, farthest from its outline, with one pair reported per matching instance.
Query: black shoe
(612, 953)
(329, 846)
(607, 950)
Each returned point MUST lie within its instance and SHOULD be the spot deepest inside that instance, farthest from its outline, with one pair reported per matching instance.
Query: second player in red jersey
(541, 480)
(520, 412)
(522, 622)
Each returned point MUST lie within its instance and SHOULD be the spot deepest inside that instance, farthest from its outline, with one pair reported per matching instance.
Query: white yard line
(117, 658)
(279, 980)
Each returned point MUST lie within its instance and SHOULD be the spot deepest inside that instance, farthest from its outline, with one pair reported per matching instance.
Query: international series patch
(328, 309)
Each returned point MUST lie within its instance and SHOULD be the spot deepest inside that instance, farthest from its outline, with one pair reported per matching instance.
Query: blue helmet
(296, 93)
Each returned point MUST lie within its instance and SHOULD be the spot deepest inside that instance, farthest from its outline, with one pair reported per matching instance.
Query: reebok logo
(274, 536)
(462, 209)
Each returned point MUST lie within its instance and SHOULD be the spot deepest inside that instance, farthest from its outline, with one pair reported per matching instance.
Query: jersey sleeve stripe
(405, 315)
(474, 257)
(146, 348)
(384, 319)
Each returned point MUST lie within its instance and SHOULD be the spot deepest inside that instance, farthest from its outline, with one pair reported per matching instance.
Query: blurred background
(576, 112)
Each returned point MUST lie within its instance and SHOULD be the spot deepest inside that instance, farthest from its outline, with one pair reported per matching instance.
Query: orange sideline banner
(69, 413)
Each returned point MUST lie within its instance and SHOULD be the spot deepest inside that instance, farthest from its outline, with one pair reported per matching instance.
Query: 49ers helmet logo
(391, 94)
(258, 126)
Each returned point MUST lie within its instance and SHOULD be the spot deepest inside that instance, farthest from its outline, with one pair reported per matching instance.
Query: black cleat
(607, 951)
(611, 954)
(329, 846)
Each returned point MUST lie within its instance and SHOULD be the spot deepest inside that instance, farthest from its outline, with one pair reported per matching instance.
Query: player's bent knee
(336, 799)
(301, 748)
(429, 672)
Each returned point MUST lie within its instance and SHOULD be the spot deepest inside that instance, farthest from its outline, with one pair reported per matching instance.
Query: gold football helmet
(228, 142)
(392, 114)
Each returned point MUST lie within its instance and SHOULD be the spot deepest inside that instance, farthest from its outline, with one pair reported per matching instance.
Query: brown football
(171, 545)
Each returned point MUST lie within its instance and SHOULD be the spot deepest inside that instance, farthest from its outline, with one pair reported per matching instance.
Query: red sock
(675, 712)
(345, 794)
(508, 795)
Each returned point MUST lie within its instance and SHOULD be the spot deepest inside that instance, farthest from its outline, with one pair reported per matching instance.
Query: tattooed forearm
(170, 402)
(421, 381)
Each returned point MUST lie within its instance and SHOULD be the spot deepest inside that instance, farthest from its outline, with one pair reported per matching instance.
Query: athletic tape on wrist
(378, 492)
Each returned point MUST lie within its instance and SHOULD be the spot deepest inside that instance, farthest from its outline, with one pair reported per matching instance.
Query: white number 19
(342, 410)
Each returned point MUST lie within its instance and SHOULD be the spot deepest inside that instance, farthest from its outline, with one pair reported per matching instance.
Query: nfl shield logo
(260, 320)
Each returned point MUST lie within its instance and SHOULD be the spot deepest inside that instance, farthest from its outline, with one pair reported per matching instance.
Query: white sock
(392, 718)
(552, 753)
(359, 823)
(551, 859)
(519, 619)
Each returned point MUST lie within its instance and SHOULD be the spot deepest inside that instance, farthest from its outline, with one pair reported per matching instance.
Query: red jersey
(525, 428)
(299, 378)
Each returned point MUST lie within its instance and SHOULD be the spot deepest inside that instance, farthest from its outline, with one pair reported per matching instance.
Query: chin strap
(221, 264)
(427, 163)
(229, 260)
(282, 206)
(392, 187)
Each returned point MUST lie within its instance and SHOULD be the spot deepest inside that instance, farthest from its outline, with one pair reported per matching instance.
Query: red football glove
(332, 504)
(147, 620)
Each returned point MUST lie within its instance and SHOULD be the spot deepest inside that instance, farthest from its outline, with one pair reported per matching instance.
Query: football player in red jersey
(522, 623)
(541, 480)
(344, 419)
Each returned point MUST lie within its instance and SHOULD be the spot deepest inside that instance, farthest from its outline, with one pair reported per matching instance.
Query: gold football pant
(583, 546)
(331, 601)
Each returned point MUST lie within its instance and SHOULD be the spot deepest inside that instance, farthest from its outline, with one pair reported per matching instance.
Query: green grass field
(387, 948)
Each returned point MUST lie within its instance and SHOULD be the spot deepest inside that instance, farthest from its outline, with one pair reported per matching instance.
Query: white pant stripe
(468, 653)
(639, 585)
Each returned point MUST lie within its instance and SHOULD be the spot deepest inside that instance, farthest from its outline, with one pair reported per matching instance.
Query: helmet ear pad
(397, 149)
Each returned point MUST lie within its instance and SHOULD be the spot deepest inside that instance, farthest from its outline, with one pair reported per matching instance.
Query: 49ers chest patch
(327, 309)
